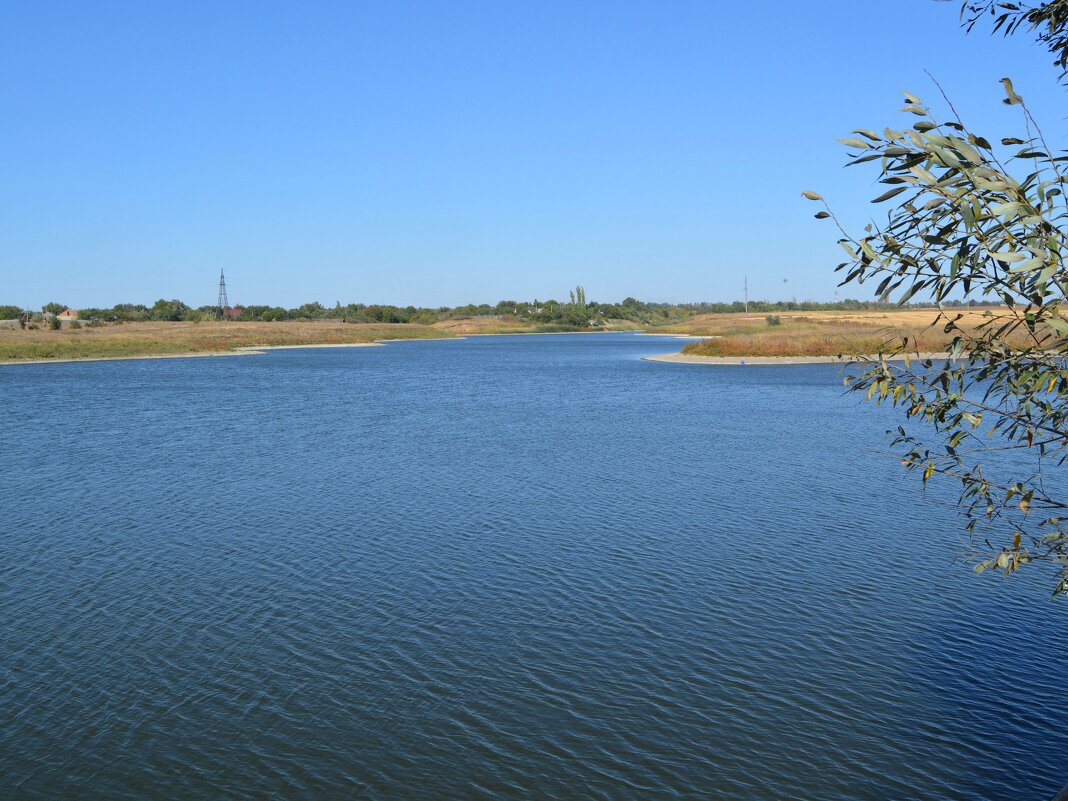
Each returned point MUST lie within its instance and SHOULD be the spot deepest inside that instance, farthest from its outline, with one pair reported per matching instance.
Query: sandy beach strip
(195, 355)
(682, 358)
(679, 336)
(252, 349)
(247, 350)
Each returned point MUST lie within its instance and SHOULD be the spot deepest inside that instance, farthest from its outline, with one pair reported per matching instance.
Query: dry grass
(517, 325)
(159, 338)
(486, 325)
(823, 333)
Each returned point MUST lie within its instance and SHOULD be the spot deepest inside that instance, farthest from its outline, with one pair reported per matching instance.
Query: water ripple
(500, 568)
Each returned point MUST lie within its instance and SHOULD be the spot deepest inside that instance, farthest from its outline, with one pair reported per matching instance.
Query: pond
(500, 567)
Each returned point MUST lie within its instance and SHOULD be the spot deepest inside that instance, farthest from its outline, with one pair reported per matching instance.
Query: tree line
(576, 311)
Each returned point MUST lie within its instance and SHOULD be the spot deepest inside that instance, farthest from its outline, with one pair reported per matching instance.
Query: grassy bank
(820, 333)
(826, 333)
(516, 325)
(168, 339)
(127, 340)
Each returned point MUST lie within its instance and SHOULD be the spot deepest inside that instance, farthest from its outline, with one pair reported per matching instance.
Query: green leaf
(1008, 256)
(1028, 265)
(1058, 325)
(892, 193)
(1007, 208)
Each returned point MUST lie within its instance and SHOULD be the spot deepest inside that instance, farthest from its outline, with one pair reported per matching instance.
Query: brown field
(827, 333)
(165, 339)
(517, 325)
(485, 325)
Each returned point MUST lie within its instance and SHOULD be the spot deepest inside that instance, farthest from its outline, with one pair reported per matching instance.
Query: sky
(437, 154)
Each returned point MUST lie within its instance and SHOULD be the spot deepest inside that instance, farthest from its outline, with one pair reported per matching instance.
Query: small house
(68, 314)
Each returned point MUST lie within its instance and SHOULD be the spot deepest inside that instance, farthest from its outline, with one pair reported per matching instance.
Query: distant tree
(10, 312)
(129, 312)
(308, 311)
(983, 223)
(172, 310)
(53, 308)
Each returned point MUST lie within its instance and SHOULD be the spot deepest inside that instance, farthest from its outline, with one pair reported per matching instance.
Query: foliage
(54, 322)
(965, 225)
(549, 314)
(53, 308)
(1049, 21)
(173, 310)
(10, 312)
(773, 319)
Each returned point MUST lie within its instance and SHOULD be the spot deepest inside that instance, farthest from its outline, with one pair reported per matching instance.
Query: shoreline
(667, 358)
(755, 361)
(244, 350)
(679, 336)
(253, 350)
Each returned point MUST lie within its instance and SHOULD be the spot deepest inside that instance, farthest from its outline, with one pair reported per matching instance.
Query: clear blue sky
(439, 153)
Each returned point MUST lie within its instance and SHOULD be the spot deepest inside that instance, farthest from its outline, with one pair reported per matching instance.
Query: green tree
(53, 308)
(976, 220)
(171, 310)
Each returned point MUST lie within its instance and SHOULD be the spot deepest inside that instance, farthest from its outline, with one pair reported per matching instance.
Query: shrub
(774, 319)
(75, 324)
(54, 323)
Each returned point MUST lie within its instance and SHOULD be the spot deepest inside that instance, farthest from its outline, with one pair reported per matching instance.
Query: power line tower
(224, 304)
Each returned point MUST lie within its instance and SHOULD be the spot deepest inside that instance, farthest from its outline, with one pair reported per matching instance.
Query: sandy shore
(197, 355)
(262, 348)
(679, 336)
(682, 358)
(251, 350)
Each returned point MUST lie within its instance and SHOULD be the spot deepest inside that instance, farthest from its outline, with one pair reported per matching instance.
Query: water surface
(504, 567)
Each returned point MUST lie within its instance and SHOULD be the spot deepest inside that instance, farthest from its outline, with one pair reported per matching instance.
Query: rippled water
(528, 567)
